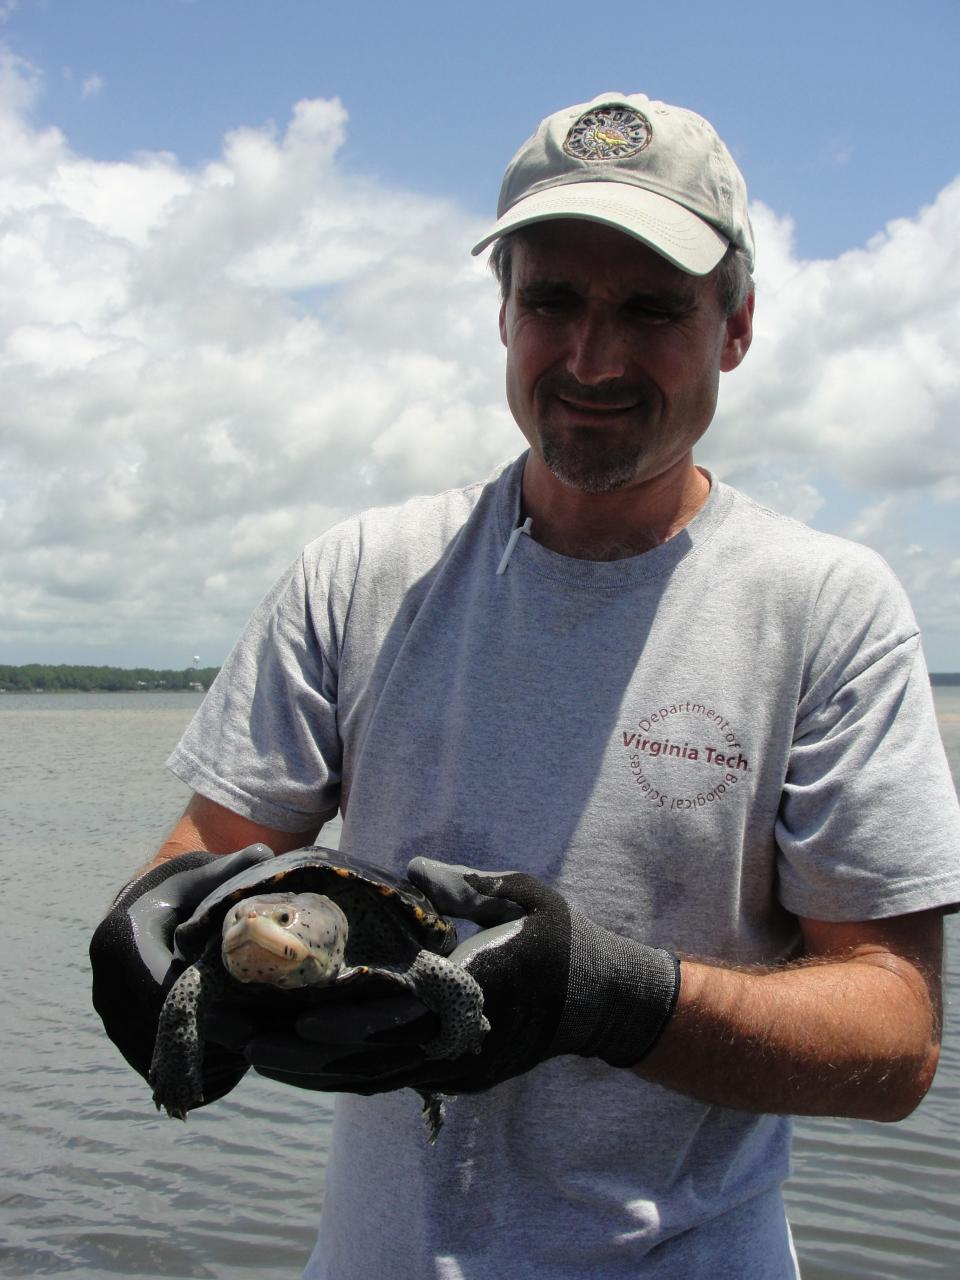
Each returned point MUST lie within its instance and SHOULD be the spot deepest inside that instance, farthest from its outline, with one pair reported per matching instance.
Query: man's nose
(597, 351)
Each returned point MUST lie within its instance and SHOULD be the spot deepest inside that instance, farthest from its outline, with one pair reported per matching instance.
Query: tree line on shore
(66, 678)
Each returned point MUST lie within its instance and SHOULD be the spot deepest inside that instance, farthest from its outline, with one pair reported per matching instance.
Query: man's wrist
(642, 1003)
(620, 995)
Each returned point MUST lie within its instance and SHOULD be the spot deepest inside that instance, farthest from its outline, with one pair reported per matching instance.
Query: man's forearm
(856, 1036)
(207, 825)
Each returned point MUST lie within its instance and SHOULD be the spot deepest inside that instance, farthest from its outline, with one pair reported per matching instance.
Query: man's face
(613, 354)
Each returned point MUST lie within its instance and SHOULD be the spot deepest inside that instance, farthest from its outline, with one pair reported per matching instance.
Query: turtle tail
(433, 1113)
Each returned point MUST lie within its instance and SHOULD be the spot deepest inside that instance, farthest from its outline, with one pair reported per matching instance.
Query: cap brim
(667, 227)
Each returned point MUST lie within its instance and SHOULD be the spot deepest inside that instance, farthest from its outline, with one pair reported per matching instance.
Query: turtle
(303, 927)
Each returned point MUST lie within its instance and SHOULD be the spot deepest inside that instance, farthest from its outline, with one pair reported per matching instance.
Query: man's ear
(739, 336)
(503, 322)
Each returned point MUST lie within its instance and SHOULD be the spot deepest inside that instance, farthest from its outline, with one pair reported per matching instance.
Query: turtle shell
(361, 889)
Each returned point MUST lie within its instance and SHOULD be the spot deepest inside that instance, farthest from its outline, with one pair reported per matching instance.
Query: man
(704, 733)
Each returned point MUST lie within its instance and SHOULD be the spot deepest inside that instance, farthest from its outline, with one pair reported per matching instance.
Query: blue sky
(180, 229)
(839, 113)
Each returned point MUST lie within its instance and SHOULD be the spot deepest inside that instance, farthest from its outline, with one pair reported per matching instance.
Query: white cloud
(852, 390)
(857, 360)
(92, 86)
(201, 368)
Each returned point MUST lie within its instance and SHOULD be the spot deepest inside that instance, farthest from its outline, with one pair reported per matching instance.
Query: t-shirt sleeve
(869, 824)
(264, 743)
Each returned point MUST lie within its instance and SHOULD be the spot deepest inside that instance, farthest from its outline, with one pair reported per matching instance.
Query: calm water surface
(93, 1183)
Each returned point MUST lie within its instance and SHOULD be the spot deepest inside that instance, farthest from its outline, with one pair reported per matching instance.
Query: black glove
(553, 982)
(133, 963)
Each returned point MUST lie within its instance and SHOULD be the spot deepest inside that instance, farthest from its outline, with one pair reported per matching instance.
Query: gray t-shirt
(696, 745)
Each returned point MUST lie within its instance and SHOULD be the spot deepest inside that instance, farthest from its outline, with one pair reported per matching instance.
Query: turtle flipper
(176, 1071)
(455, 997)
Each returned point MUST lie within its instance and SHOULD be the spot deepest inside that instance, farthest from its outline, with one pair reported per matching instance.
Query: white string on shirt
(512, 542)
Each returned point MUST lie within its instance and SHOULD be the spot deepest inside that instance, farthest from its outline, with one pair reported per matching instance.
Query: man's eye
(549, 303)
(650, 314)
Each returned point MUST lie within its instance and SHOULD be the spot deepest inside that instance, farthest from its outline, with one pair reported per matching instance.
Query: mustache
(605, 395)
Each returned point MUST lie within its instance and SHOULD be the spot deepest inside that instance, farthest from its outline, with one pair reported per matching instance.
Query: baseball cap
(657, 172)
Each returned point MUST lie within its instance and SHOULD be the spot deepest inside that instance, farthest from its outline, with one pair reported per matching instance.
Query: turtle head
(284, 939)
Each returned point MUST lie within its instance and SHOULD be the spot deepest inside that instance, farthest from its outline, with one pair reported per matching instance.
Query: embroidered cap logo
(609, 133)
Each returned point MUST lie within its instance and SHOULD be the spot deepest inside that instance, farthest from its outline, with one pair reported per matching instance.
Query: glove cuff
(620, 995)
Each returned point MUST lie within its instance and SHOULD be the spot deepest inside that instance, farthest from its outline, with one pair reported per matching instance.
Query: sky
(237, 302)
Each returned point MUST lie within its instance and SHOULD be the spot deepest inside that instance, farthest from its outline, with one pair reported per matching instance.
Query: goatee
(590, 459)
(584, 464)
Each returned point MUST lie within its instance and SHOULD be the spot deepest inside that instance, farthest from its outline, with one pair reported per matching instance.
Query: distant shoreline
(37, 677)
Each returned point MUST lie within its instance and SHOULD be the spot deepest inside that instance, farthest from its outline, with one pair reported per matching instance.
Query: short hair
(734, 280)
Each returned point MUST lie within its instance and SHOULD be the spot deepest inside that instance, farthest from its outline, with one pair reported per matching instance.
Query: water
(95, 1184)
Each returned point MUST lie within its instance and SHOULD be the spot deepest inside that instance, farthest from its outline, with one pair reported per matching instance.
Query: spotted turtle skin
(394, 937)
